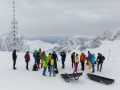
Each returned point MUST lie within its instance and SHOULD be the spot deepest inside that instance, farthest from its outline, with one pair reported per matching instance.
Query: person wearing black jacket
(73, 59)
(63, 57)
(55, 57)
(14, 56)
(38, 59)
(100, 61)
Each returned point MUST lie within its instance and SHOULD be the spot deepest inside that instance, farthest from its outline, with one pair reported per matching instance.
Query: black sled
(67, 77)
(100, 79)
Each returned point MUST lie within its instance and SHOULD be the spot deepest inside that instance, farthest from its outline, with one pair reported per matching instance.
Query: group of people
(50, 61)
(91, 61)
(42, 59)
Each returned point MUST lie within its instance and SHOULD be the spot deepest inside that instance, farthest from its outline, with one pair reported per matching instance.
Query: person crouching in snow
(52, 66)
(93, 62)
(76, 62)
(27, 59)
(45, 64)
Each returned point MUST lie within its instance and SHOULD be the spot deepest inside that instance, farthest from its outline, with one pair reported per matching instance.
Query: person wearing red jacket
(82, 60)
(27, 59)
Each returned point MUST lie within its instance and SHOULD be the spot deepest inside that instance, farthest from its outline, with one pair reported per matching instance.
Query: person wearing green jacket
(45, 64)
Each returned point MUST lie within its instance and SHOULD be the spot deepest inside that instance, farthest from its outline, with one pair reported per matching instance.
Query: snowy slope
(21, 79)
(35, 45)
(67, 44)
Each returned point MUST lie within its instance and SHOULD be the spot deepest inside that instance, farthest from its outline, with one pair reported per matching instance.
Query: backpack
(103, 58)
(33, 54)
(52, 62)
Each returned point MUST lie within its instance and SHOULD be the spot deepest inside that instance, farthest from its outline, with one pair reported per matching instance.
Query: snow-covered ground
(21, 79)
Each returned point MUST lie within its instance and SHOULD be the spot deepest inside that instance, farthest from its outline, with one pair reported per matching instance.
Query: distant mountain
(36, 44)
(23, 45)
(70, 43)
(49, 39)
(98, 41)
(67, 44)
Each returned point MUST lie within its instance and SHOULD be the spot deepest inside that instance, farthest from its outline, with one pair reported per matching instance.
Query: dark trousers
(55, 64)
(82, 65)
(14, 63)
(27, 64)
(63, 64)
(73, 63)
(100, 66)
(48, 66)
(38, 63)
(93, 67)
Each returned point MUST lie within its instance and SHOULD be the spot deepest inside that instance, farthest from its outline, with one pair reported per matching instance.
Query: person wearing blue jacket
(93, 62)
(89, 59)
(55, 57)
(63, 57)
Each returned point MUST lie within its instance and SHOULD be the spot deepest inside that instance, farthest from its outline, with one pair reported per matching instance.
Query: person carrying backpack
(93, 62)
(52, 65)
(27, 59)
(38, 60)
(34, 55)
(99, 60)
(89, 60)
(55, 57)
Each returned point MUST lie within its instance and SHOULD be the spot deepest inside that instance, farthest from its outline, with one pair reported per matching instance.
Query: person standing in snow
(63, 57)
(49, 58)
(73, 59)
(14, 56)
(76, 62)
(45, 64)
(38, 59)
(27, 59)
(82, 60)
(99, 60)
(89, 60)
(93, 62)
(42, 56)
(34, 55)
(52, 65)
(55, 57)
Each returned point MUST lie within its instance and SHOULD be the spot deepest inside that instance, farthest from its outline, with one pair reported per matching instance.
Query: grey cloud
(61, 17)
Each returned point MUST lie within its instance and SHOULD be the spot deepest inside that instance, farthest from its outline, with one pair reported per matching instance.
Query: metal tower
(14, 29)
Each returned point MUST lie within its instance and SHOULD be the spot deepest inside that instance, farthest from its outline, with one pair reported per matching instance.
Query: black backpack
(103, 58)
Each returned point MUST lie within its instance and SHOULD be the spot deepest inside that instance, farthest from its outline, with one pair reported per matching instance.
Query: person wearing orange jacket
(82, 60)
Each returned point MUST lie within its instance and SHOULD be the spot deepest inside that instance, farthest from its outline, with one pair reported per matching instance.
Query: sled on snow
(100, 79)
(67, 77)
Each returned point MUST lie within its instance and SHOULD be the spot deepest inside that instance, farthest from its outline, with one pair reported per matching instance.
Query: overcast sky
(61, 17)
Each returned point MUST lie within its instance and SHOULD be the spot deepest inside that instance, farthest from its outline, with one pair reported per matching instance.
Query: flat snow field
(22, 79)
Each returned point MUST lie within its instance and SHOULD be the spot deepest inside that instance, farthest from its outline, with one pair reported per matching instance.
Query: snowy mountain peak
(67, 44)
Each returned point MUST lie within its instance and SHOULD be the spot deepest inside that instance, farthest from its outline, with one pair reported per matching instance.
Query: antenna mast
(14, 29)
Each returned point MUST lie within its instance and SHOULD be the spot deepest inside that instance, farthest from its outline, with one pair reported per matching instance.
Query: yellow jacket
(76, 59)
(49, 57)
